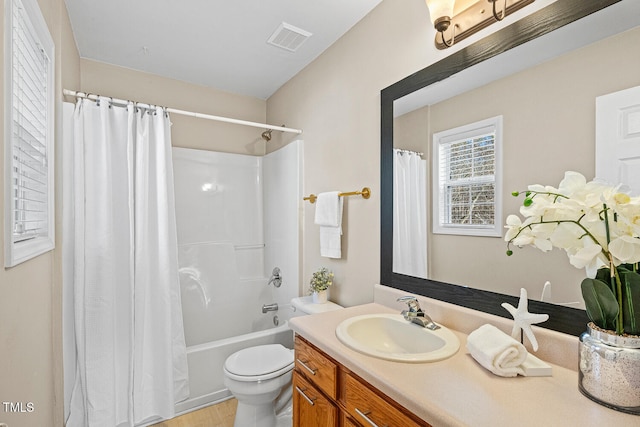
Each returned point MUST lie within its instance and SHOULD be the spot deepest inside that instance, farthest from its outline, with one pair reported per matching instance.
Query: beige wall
(336, 101)
(411, 131)
(189, 132)
(30, 293)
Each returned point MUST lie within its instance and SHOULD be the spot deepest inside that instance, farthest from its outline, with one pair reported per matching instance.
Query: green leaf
(601, 304)
(604, 274)
(630, 301)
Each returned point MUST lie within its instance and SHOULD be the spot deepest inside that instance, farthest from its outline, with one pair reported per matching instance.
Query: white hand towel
(497, 351)
(328, 209)
(329, 218)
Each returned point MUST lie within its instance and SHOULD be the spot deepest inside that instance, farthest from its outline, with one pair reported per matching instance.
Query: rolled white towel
(497, 351)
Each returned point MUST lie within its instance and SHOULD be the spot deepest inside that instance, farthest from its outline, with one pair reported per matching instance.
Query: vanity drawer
(370, 408)
(316, 367)
(310, 407)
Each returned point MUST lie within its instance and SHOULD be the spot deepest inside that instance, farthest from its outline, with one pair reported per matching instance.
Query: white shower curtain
(131, 357)
(409, 214)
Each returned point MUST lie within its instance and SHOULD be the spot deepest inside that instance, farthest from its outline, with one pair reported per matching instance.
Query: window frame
(482, 127)
(20, 251)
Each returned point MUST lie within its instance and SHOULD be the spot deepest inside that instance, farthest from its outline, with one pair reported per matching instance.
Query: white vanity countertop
(458, 391)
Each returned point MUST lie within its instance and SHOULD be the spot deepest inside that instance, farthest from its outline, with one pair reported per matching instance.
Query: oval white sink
(391, 337)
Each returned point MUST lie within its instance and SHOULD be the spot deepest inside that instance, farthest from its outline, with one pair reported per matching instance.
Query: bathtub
(207, 360)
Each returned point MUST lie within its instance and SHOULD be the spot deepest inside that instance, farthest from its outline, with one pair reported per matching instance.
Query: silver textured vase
(610, 369)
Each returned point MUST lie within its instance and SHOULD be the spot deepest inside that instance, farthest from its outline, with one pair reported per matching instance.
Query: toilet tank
(305, 305)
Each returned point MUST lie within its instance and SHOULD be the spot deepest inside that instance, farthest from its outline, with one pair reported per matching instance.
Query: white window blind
(29, 139)
(466, 185)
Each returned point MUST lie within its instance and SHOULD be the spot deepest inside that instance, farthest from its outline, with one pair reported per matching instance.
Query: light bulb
(440, 12)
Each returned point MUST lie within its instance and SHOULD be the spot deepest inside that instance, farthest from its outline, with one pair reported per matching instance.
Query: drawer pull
(309, 399)
(367, 419)
(312, 371)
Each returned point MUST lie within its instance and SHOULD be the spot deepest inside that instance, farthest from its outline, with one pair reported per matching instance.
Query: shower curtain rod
(186, 113)
(402, 151)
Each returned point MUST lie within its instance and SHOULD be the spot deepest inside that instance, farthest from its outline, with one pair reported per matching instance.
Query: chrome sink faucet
(415, 314)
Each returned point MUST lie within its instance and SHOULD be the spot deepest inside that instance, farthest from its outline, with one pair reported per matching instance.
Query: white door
(618, 138)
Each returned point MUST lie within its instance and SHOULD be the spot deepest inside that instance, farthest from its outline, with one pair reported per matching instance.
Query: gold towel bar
(365, 193)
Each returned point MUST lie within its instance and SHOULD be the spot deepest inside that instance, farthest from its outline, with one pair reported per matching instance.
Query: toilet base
(255, 415)
(266, 414)
(285, 417)
(284, 420)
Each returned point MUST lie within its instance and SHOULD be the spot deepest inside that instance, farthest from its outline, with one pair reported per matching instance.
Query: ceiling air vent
(288, 37)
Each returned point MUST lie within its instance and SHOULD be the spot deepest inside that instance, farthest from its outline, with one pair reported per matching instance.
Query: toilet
(260, 377)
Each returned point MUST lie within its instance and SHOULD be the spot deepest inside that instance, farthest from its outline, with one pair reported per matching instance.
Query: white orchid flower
(596, 224)
(514, 223)
(523, 240)
(587, 256)
(571, 217)
(543, 244)
(566, 235)
(573, 182)
(626, 249)
(543, 231)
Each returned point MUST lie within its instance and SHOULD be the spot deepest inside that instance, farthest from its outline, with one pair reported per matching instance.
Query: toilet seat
(259, 363)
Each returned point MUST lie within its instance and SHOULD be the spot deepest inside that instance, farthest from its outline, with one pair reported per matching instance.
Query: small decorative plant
(321, 280)
(598, 226)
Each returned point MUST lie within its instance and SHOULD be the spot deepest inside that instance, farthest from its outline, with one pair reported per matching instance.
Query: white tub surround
(237, 219)
(458, 391)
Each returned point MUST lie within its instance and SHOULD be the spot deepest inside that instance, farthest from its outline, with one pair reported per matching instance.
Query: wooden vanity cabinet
(347, 421)
(327, 394)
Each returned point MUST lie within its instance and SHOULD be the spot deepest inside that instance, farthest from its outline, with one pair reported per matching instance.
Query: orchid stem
(615, 275)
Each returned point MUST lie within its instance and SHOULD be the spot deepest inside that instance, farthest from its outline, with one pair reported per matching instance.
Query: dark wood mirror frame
(556, 15)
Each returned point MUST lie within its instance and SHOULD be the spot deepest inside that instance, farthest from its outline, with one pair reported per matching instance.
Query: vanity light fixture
(476, 16)
(441, 12)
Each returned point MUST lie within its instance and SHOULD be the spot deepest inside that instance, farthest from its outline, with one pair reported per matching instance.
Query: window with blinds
(467, 182)
(29, 117)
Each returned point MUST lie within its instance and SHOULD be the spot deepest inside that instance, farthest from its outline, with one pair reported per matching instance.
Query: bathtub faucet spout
(269, 307)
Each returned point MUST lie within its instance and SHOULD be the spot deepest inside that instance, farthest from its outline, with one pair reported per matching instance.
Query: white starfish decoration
(522, 319)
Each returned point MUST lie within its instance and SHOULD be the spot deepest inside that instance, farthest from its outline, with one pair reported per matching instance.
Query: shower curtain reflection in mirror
(121, 261)
(409, 213)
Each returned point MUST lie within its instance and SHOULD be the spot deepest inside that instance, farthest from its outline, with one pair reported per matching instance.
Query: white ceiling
(216, 43)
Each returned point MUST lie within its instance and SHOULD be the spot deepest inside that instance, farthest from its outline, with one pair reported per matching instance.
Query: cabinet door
(310, 407)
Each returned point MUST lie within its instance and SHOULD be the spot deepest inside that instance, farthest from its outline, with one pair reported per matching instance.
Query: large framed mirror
(534, 64)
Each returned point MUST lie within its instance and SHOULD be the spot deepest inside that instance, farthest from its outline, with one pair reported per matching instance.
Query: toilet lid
(260, 361)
